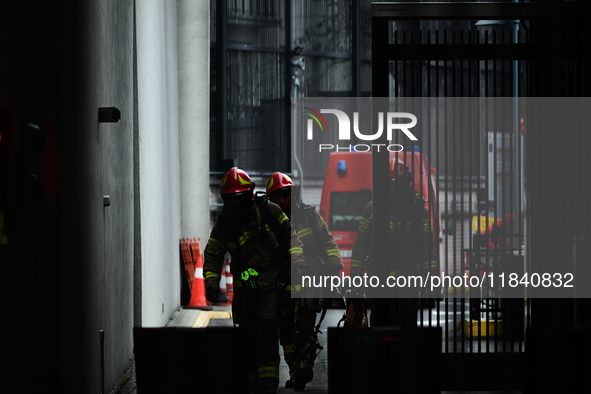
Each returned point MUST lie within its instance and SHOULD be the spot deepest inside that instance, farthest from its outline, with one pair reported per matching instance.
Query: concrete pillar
(158, 150)
(193, 61)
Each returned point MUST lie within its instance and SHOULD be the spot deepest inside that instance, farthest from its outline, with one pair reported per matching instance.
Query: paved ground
(220, 317)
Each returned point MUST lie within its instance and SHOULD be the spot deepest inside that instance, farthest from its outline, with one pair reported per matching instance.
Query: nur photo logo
(390, 121)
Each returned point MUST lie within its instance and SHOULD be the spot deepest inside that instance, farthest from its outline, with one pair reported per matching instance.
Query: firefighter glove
(212, 293)
(301, 268)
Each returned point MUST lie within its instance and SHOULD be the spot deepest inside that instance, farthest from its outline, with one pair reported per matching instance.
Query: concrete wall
(82, 274)
(95, 160)
(157, 96)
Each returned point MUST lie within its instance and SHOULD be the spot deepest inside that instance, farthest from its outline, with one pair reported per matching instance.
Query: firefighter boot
(289, 357)
(304, 374)
(305, 354)
(290, 383)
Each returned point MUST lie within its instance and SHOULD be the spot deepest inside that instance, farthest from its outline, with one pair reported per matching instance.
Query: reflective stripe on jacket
(250, 248)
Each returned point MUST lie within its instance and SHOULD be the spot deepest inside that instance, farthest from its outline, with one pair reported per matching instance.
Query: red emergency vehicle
(348, 188)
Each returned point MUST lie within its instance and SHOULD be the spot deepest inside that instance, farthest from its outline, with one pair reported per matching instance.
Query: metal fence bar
(463, 177)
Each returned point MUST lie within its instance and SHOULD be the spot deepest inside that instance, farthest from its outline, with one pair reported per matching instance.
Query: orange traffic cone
(194, 248)
(198, 300)
(229, 282)
(223, 299)
(189, 262)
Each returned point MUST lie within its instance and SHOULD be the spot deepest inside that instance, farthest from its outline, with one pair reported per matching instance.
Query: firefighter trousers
(297, 330)
(255, 310)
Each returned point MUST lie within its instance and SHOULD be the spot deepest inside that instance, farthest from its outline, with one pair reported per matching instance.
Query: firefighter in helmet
(298, 331)
(260, 240)
(411, 244)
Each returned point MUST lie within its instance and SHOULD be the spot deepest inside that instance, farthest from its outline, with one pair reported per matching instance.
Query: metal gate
(438, 51)
(474, 50)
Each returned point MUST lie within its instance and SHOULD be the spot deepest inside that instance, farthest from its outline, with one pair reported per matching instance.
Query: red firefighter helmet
(278, 181)
(399, 170)
(236, 181)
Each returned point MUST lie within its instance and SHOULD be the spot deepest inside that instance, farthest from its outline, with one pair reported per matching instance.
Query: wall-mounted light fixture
(109, 115)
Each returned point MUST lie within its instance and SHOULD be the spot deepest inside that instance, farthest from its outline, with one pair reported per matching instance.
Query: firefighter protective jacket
(411, 246)
(321, 250)
(262, 244)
